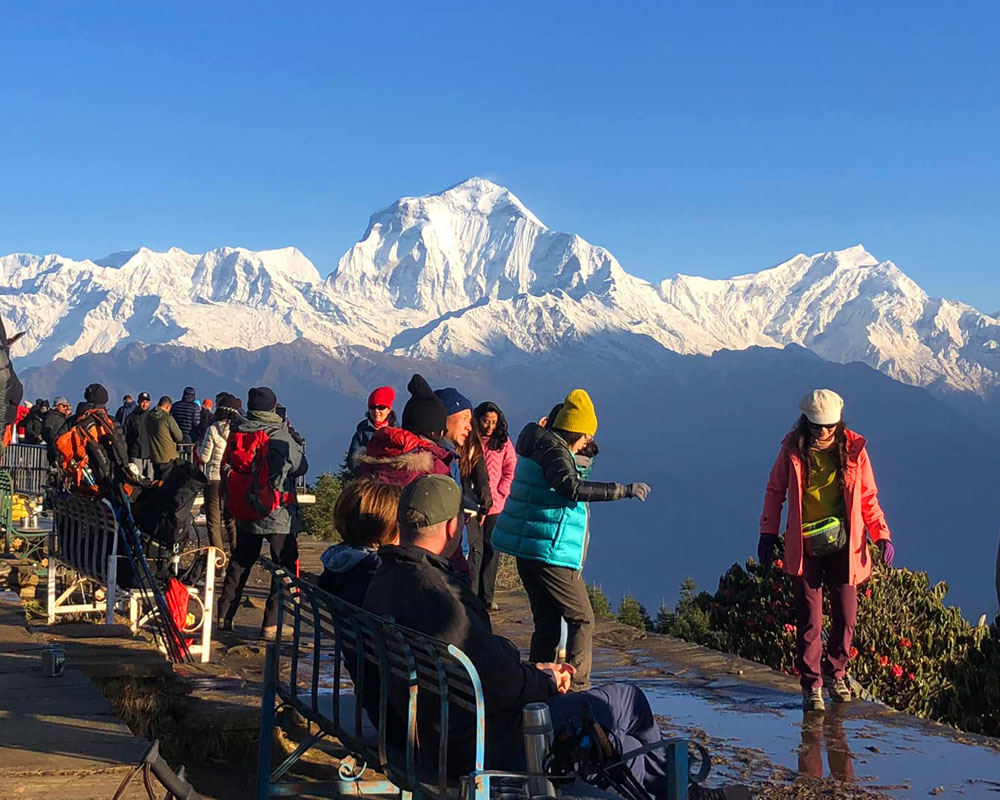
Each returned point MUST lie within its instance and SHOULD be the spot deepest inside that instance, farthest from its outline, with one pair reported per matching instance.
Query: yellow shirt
(822, 496)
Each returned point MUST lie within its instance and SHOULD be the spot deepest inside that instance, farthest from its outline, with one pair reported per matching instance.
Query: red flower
(854, 652)
(897, 670)
(868, 592)
(789, 627)
(911, 676)
(883, 660)
(779, 563)
(905, 642)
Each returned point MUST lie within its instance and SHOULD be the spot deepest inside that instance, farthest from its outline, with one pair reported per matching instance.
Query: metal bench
(85, 559)
(28, 465)
(318, 635)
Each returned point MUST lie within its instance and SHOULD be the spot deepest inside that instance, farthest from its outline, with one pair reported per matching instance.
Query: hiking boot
(269, 633)
(698, 792)
(840, 692)
(812, 699)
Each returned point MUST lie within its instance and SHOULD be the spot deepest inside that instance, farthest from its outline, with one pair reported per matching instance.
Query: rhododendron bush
(911, 650)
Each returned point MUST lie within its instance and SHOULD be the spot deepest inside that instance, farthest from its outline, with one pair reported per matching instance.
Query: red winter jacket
(397, 456)
(860, 500)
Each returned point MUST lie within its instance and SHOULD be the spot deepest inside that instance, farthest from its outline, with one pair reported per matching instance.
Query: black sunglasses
(815, 427)
(378, 408)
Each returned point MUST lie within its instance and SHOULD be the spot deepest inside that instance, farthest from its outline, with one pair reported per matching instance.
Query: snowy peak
(473, 242)
(471, 275)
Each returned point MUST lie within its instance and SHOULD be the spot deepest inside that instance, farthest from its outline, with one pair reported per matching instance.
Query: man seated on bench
(419, 588)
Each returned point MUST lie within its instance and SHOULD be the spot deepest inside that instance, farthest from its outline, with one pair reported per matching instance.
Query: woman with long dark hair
(824, 471)
(491, 426)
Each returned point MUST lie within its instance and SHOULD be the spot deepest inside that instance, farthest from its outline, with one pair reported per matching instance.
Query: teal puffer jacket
(546, 517)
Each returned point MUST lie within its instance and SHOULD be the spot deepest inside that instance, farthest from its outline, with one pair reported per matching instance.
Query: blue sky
(704, 138)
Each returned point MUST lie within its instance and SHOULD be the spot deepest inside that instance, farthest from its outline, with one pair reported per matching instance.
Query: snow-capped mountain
(470, 275)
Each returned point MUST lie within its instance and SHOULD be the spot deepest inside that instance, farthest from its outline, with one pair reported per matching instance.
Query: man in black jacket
(53, 423)
(32, 422)
(140, 449)
(420, 589)
(187, 414)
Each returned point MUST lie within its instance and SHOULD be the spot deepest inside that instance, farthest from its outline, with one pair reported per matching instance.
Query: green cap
(429, 500)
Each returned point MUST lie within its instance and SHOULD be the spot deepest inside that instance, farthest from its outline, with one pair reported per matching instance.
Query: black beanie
(424, 412)
(261, 399)
(96, 394)
(226, 400)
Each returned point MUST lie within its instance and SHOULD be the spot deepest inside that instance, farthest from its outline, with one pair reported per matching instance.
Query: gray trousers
(145, 466)
(555, 594)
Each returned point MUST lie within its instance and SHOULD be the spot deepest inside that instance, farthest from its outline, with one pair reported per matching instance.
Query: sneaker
(840, 692)
(812, 699)
(269, 633)
(494, 607)
(224, 624)
(698, 792)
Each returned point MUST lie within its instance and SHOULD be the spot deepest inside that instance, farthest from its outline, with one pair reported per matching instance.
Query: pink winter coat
(500, 466)
(860, 500)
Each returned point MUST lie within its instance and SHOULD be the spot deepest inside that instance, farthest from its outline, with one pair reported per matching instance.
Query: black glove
(639, 491)
(767, 546)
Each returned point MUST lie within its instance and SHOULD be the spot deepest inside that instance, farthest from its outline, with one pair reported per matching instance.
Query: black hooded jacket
(187, 414)
(423, 591)
(549, 451)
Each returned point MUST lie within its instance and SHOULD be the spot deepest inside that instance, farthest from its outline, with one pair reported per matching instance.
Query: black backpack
(11, 389)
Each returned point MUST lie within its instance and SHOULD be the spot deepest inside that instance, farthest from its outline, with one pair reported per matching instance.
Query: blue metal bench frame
(309, 621)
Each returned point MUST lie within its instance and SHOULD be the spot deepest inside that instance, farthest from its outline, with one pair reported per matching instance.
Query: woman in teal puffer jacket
(545, 526)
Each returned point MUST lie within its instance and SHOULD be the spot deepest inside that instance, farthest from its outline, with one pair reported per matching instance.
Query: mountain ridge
(471, 275)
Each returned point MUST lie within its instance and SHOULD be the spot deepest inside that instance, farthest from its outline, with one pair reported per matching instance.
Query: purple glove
(766, 546)
(887, 550)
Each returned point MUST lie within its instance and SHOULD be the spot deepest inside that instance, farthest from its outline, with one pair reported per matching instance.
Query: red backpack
(248, 477)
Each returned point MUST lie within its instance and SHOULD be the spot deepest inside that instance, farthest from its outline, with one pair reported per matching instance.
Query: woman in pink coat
(500, 462)
(824, 472)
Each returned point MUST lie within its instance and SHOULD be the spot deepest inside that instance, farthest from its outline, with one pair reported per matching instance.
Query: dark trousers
(284, 551)
(217, 515)
(491, 560)
(623, 711)
(809, 658)
(555, 594)
(160, 468)
(474, 535)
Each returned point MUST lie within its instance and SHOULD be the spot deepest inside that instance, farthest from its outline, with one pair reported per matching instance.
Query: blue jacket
(546, 517)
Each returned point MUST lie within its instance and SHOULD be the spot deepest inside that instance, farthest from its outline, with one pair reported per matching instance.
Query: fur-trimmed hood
(398, 456)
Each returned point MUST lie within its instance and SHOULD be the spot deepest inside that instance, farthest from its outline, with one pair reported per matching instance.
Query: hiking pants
(217, 515)
(623, 711)
(491, 560)
(555, 594)
(284, 552)
(809, 658)
(474, 536)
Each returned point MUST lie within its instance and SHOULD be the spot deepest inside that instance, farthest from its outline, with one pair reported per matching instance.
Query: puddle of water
(853, 743)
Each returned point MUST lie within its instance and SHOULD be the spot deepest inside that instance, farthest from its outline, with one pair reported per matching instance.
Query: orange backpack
(89, 450)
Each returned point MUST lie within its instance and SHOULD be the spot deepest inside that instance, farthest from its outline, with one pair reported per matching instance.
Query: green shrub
(633, 613)
(691, 619)
(317, 518)
(599, 601)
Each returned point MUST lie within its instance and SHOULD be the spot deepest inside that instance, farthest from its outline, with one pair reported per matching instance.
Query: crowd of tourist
(436, 493)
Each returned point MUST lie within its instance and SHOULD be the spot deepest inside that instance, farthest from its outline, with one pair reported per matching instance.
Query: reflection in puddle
(859, 743)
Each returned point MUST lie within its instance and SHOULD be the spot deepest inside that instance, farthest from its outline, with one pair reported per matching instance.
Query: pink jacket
(860, 500)
(500, 466)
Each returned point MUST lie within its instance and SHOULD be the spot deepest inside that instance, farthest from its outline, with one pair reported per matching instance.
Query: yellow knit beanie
(577, 415)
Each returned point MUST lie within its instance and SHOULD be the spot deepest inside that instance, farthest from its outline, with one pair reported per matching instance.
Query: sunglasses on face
(813, 426)
(378, 408)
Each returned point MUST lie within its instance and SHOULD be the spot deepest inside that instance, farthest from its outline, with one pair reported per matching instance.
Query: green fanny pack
(824, 537)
